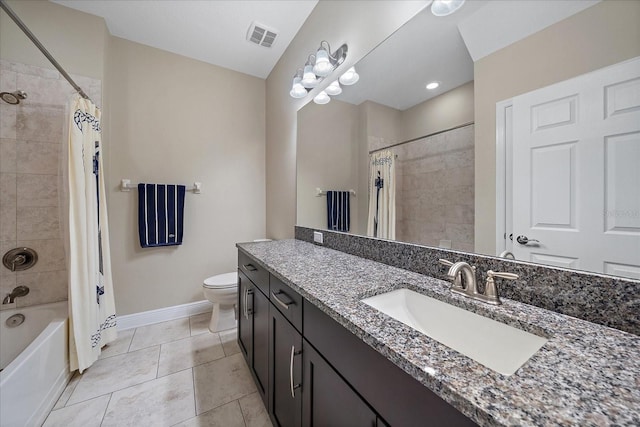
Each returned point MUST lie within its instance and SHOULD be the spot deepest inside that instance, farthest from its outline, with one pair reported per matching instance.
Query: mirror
(430, 133)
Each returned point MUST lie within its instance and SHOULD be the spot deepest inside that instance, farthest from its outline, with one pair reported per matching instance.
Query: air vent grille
(261, 35)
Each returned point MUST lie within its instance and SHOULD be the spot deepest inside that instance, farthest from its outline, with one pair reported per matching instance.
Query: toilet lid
(226, 280)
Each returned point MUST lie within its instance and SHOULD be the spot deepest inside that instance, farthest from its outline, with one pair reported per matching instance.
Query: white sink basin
(497, 346)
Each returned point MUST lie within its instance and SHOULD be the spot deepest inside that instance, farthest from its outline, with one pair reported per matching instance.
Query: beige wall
(178, 120)
(451, 109)
(602, 35)
(76, 39)
(337, 22)
(325, 157)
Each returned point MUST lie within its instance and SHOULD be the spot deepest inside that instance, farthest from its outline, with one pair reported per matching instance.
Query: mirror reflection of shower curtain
(91, 302)
(382, 195)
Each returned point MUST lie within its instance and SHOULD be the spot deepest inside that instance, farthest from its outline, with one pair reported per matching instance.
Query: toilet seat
(221, 281)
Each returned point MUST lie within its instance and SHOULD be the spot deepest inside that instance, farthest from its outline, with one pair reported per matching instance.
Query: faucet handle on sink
(491, 290)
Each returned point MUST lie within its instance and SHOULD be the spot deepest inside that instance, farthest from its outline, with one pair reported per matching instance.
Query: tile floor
(174, 373)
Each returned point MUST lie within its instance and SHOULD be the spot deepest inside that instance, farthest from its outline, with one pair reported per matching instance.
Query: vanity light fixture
(297, 90)
(322, 98)
(433, 85)
(349, 77)
(445, 7)
(334, 88)
(317, 67)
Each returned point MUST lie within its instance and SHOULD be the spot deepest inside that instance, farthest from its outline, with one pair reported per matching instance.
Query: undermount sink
(495, 345)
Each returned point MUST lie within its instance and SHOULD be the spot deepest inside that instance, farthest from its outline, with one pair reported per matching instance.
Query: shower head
(13, 98)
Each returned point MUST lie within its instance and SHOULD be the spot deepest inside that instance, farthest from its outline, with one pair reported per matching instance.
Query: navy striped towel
(160, 214)
(338, 212)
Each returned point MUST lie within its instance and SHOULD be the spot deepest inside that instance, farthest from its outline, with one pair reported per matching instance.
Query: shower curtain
(92, 318)
(382, 195)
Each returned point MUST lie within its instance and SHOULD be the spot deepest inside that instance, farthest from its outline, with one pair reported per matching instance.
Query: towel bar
(320, 192)
(126, 186)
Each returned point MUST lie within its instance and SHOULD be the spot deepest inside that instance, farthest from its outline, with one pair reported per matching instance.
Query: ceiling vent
(261, 35)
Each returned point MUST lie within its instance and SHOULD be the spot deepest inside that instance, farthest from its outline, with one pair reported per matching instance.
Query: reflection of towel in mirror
(338, 212)
(160, 214)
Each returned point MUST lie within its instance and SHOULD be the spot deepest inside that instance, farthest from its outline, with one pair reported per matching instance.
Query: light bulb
(309, 79)
(349, 77)
(297, 90)
(323, 66)
(322, 98)
(445, 7)
(334, 88)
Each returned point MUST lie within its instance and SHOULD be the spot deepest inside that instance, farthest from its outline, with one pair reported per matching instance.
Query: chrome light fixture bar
(317, 67)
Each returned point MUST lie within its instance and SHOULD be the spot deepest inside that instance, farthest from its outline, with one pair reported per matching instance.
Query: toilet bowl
(222, 291)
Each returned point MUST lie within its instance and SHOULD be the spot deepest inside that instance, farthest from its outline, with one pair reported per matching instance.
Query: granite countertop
(586, 374)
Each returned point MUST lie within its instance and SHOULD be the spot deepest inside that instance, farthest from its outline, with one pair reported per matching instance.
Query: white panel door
(576, 172)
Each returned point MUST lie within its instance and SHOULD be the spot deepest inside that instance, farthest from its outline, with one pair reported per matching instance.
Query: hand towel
(160, 214)
(338, 211)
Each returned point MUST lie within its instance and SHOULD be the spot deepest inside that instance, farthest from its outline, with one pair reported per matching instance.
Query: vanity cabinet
(319, 373)
(253, 331)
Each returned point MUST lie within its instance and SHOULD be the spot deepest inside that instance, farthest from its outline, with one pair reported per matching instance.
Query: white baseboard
(150, 317)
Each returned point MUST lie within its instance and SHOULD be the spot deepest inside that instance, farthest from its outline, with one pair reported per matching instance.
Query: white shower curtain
(382, 195)
(92, 317)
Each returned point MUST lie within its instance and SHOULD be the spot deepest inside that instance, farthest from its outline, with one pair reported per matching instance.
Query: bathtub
(34, 358)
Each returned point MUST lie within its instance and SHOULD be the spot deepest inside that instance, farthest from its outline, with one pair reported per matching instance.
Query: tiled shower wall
(31, 139)
(435, 190)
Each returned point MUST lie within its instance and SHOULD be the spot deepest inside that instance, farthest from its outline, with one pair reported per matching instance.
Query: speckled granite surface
(585, 375)
(598, 298)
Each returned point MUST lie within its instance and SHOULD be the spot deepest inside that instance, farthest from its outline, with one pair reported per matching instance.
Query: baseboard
(135, 320)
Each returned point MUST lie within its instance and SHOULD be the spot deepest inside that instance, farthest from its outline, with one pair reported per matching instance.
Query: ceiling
(425, 49)
(443, 49)
(210, 31)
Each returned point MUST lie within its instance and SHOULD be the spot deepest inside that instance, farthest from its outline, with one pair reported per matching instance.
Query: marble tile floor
(174, 373)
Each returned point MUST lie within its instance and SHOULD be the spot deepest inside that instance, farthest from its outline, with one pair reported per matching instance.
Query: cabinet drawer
(287, 301)
(258, 275)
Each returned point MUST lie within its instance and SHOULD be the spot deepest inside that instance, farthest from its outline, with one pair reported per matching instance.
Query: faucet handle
(445, 262)
(490, 288)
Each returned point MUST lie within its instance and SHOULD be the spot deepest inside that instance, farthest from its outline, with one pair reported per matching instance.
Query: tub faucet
(18, 291)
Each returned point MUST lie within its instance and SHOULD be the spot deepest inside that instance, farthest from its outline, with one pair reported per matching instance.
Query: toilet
(222, 291)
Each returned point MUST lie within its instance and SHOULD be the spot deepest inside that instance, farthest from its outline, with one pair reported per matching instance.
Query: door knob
(523, 240)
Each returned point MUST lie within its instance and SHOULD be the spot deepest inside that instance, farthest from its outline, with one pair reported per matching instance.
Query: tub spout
(18, 291)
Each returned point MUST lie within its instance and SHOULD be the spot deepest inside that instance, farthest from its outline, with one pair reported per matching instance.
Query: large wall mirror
(427, 134)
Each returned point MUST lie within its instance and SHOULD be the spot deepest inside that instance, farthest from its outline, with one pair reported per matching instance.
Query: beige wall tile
(43, 90)
(7, 155)
(37, 157)
(40, 123)
(7, 80)
(51, 256)
(5, 246)
(8, 119)
(37, 190)
(29, 69)
(8, 223)
(45, 287)
(35, 223)
(8, 189)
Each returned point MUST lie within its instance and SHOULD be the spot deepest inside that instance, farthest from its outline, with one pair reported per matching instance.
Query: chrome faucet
(463, 276)
(18, 291)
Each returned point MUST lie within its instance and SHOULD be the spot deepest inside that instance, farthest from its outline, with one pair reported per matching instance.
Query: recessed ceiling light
(433, 85)
(445, 7)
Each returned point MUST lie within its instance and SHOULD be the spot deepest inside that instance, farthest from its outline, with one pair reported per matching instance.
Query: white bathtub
(35, 361)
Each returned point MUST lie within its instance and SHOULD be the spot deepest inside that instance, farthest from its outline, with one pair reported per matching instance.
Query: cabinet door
(245, 321)
(327, 400)
(285, 403)
(261, 342)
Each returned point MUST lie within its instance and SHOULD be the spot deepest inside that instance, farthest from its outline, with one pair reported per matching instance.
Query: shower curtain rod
(420, 137)
(43, 49)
